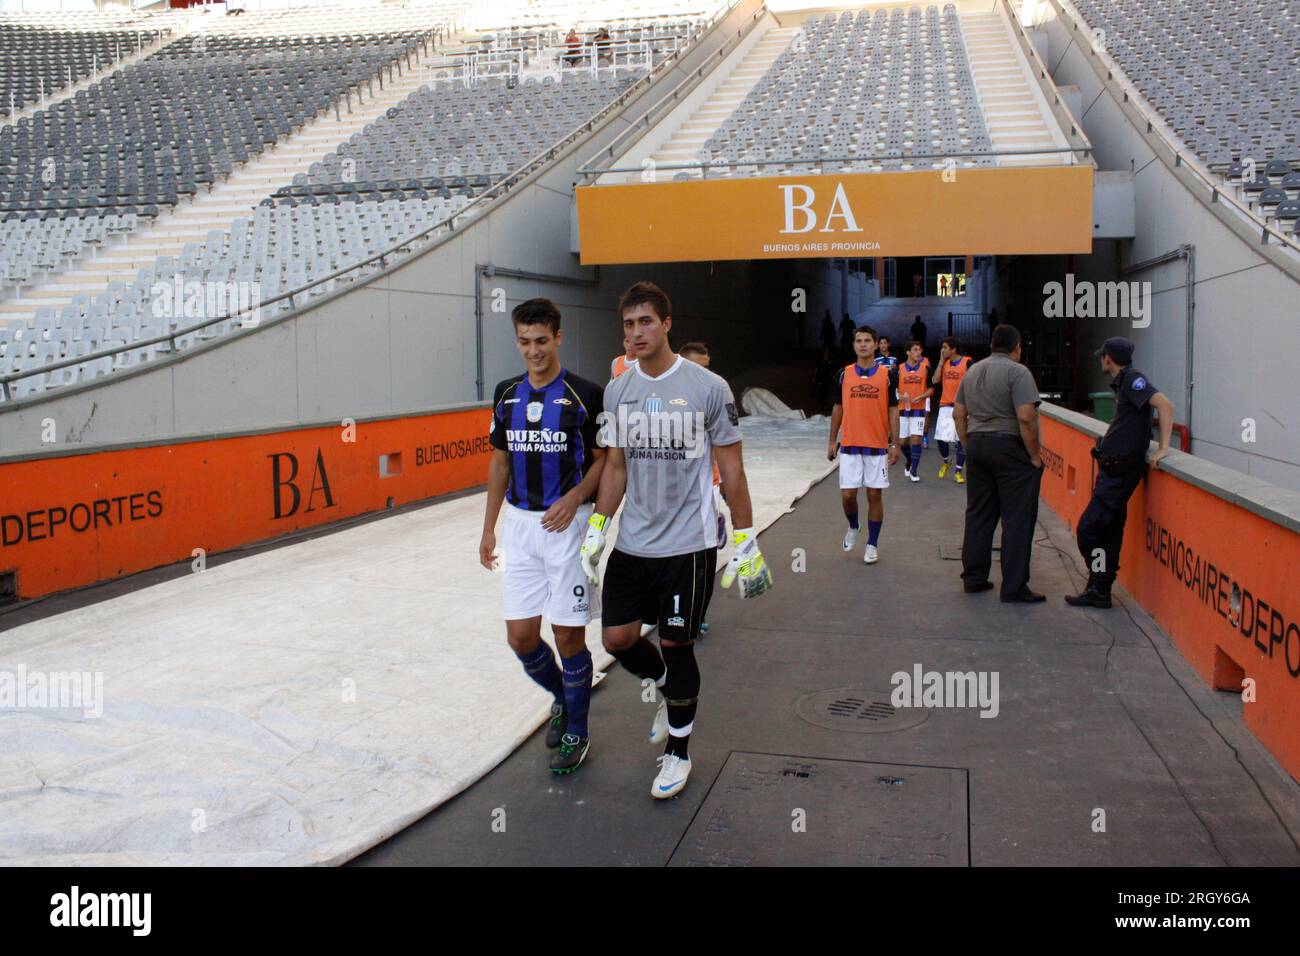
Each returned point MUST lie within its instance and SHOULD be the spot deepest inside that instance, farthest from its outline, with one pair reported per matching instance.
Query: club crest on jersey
(534, 411)
(654, 405)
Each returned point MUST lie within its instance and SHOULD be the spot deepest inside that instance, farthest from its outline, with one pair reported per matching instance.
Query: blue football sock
(873, 531)
(540, 666)
(961, 456)
(943, 449)
(577, 690)
(853, 520)
(916, 458)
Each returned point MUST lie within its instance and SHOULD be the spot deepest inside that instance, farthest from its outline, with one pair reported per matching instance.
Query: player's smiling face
(539, 347)
(646, 331)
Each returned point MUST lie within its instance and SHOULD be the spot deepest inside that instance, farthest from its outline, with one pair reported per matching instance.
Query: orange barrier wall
(1186, 552)
(68, 520)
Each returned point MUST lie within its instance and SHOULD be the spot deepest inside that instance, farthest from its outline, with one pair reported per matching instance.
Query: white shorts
(542, 574)
(944, 429)
(864, 471)
(911, 425)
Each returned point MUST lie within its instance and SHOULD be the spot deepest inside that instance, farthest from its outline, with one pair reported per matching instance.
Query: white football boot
(673, 772)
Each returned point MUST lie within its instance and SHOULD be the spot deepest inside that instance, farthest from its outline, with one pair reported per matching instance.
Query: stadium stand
(475, 132)
(900, 86)
(38, 60)
(418, 160)
(1223, 77)
(151, 133)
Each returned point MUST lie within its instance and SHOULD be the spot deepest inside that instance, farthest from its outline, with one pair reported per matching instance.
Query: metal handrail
(708, 164)
(1181, 158)
(450, 223)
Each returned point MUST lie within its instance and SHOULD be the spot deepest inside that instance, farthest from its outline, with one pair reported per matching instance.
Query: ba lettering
(282, 483)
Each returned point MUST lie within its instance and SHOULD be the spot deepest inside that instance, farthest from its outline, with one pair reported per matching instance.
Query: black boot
(1096, 594)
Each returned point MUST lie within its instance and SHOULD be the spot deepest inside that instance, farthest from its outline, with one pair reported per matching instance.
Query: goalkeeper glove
(592, 545)
(747, 563)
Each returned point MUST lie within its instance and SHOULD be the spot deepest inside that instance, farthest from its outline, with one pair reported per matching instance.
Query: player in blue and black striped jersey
(546, 467)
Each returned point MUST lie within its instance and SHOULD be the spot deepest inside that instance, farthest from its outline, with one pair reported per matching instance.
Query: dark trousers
(1101, 526)
(1001, 485)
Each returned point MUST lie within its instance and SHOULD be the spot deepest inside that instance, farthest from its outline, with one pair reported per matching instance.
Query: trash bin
(1103, 405)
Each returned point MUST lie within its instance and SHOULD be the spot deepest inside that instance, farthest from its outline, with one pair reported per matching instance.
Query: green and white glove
(592, 545)
(747, 563)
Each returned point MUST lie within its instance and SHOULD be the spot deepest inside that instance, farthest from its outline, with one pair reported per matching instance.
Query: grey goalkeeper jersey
(667, 427)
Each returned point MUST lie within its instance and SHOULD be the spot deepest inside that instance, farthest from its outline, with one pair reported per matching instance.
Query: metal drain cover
(858, 711)
(774, 810)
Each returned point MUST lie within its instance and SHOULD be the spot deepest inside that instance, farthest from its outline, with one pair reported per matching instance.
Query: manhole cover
(774, 810)
(857, 711)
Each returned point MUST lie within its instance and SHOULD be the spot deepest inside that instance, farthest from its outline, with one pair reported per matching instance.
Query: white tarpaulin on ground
(760, 401)
(296, 706)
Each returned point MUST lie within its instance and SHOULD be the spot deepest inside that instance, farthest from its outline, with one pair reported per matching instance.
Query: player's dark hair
(646, 293)
(918, 344)
(694, 348)
(537, 312)
(951, 342)
(864, 328)
(1005, 339)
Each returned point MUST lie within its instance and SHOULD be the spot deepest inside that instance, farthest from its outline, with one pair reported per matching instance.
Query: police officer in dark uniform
(1121, 462)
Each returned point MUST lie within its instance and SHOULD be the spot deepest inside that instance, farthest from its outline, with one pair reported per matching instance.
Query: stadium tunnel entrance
(776, 304)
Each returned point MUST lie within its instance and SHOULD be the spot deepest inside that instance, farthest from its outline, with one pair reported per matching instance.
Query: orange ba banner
(1026, 211)
(72, 519)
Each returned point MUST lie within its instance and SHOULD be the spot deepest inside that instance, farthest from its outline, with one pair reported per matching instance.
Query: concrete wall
(1247, 319)
(406, 340)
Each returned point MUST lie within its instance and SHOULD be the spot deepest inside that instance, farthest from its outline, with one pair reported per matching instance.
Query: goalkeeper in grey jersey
(664, 421)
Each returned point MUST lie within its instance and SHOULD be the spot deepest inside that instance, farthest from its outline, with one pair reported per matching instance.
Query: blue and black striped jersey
(549, 433)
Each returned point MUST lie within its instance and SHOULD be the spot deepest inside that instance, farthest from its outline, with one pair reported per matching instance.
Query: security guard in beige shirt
(996, 414)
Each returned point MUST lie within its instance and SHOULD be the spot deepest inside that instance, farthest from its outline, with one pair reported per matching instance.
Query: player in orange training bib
(865, 421)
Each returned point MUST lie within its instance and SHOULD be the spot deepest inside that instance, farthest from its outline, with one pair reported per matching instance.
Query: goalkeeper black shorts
(678, 587)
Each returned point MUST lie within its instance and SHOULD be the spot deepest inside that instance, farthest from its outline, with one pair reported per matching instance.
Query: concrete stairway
(236, 197)
(691, 135)
(1011, 110)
